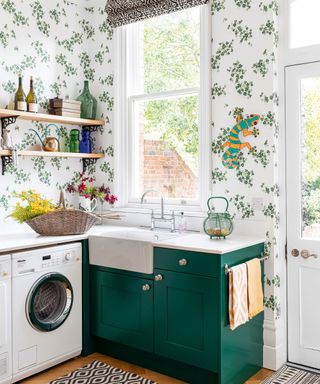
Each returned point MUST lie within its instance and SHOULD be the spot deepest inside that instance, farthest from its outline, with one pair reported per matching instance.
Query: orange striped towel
(238, 296)
(255, 292)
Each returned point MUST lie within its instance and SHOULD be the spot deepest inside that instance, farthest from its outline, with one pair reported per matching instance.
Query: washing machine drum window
(49, 302)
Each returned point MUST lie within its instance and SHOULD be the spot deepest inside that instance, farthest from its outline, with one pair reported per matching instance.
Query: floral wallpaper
(244, 69)
(65, 42)
(60, 43)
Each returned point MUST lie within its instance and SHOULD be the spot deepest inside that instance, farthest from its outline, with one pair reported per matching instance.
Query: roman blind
(121, 12)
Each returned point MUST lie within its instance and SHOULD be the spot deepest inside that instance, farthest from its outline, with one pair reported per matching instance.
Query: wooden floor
(62, 369)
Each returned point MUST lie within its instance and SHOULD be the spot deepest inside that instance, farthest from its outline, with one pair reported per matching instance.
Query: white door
(303, 217)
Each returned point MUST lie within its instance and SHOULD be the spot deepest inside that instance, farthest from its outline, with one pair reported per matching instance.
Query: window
(166, 101)
(304, 23)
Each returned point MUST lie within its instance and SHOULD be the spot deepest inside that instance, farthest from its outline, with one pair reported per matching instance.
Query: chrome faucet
(162, 218)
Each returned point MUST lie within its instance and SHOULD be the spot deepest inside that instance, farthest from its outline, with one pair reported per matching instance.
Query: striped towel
(238, 296)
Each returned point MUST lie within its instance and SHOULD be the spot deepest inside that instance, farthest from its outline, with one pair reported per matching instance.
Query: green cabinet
(176, 320)
(186, 318)
(122, 309)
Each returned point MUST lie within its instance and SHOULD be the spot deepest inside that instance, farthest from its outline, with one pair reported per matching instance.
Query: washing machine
(46, 308)
(5, 320)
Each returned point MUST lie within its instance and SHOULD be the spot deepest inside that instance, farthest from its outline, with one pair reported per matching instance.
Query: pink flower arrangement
(83, 185)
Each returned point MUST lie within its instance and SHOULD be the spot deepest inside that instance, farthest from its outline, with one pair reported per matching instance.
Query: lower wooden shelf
(6, 152)
(88, 159)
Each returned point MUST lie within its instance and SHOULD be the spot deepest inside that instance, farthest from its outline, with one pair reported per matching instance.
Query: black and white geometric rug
(290, 375)
(101, 373)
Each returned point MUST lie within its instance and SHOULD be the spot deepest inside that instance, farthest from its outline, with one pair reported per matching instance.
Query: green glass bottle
(32, 102)
(74, 144)
(20, 103)
(88, 103)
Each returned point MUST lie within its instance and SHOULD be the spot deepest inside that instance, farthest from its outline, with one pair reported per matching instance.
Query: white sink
(128, 249)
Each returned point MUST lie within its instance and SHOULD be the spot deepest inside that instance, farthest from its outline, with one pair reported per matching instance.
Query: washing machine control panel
(55, 259)
(46, 258)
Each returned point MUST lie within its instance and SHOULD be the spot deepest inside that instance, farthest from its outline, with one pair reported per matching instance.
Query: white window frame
(123, 113)
(299, 55)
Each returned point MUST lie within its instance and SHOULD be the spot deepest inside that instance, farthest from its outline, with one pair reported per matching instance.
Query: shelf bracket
(6, 121)
(6, 160)
(88, 163)
(91, 128)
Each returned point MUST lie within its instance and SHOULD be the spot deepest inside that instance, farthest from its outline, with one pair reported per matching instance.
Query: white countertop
(199, 242)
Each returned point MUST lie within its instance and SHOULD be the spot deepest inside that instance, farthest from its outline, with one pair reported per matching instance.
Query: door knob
(146, 287)
(158, 278)
(295, 253)
(306, 254)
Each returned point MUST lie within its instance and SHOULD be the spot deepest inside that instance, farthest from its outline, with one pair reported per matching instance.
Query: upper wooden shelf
(49, 118)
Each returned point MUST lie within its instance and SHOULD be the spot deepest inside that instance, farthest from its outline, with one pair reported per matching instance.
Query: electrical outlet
(257, 203)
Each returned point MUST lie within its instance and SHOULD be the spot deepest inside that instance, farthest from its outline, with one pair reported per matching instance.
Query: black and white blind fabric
(121, 12)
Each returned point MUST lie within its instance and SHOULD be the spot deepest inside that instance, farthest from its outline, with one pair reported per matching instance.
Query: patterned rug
(101, 373)
(290, 375)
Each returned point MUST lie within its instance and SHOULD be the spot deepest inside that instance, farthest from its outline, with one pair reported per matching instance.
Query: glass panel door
(303, 212)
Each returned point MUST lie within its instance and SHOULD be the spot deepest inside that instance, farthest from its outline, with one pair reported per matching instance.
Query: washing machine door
(49, 302)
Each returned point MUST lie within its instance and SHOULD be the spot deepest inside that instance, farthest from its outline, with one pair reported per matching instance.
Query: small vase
(88, 103)
(99, 212)
(86, 204)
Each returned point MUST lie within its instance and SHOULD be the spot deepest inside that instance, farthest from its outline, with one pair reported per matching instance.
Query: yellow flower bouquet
(31, 205)
(49, 219)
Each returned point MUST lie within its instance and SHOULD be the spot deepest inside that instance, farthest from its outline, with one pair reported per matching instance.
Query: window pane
(166, 147)
(304, 23)
(168, 52)
(310, 120)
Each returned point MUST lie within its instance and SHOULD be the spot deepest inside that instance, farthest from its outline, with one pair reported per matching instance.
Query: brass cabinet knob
(295, 253)
(158, 278)
(183, 262)
(146, 287)
(305, 253)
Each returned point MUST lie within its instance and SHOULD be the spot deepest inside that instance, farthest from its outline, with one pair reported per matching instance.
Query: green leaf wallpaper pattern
(244, 46)
(60, 45)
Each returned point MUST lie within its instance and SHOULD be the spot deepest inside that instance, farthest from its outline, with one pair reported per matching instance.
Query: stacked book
(67, 108)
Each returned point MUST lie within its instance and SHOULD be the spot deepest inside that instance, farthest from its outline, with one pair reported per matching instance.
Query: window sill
(146, 210)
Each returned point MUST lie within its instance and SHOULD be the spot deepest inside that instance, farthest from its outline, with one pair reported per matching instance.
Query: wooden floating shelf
(49, 118)
(4, 152)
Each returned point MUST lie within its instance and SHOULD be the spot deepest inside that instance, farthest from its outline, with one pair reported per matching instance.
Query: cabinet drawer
(204, 264)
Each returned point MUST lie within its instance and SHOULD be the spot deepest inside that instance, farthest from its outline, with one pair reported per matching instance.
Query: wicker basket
(63, 222)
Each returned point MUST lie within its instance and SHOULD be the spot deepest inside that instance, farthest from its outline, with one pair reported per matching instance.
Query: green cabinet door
(122, 309)
(186, 318)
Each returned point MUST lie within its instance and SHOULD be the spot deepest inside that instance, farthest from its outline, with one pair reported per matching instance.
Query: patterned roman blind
(121, 12)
